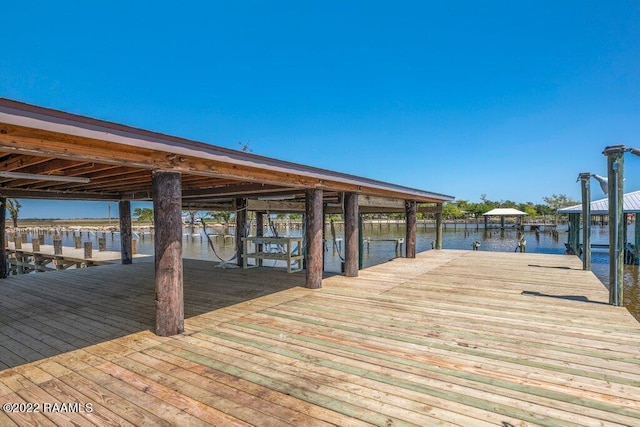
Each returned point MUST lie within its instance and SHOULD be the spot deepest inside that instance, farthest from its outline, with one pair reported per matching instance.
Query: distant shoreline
(115, 223)
(81, 222)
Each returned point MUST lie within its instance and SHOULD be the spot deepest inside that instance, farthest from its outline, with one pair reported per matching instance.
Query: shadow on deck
(42, 315)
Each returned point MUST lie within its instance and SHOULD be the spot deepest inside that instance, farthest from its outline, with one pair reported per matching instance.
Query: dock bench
(288, 251)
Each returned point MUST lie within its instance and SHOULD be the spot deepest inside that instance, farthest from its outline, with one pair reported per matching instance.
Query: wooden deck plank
(42, 398)
(134, 394)
(97, 413)
(235, 403)
(449, 338)
(436, 410)
(469, 383)
(274, 399)
(102, 397)
(25, 418)
(190, 410)
(318, 392)
(534, 342)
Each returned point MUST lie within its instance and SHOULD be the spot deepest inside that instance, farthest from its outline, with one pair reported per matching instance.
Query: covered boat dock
(631, 206)
(51, 154)
(503, 213)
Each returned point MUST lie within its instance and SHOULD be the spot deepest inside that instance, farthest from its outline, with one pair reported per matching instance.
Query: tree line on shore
(457, 209)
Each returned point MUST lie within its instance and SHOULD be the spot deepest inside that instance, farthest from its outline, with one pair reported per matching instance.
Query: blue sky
(507, 99)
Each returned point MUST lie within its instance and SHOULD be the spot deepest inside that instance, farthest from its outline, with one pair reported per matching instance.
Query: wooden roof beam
(50, 166)
(241, 190)
(84, 170)
(26, 193)
(20, 139)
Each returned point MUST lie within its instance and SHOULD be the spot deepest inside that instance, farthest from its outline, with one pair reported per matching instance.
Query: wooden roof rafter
(59, 167)
(13, 163)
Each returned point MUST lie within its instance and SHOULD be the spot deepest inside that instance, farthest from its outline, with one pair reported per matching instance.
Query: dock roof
(110, 161)
(631, 204)
(504, 212)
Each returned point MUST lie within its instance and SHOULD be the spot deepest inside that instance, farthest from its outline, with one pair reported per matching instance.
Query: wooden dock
(26, 260)
(465, 338)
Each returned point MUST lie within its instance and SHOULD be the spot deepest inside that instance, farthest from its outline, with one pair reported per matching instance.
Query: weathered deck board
(450, 338)
(71, 253)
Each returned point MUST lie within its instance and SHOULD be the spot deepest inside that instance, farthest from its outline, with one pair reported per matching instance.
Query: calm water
(378, 251)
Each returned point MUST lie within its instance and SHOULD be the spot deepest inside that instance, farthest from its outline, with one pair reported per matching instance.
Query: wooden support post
(241, 227)
(88, 250)
(57, 246)
(17, 241)
(351, 235)
(3, 236)
(324, 234)
(134, 248)
(102, 244)
(315, 254)
(585, 179)
(615, 170)
(20, 259)
(259, 233)
(126, 241)
(167, 209)
(439, 228)
(35, 244)
(574, 234)
(636, 240)
(361, 242)
(411, 230)
(78, 241)
(625, 229)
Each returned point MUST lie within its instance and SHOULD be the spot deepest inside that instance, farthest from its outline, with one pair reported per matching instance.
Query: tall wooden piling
(411, 229)
(315, 225)
(77, 241)
(361, 242)
(439, 228)
(615, 170)
(241, 227)
(636, 240)
(57, 246)
(167, 208)
(260, 233)
(88, 250)
(585, 179)
(126, 241)
(351, 233)
(3, 236)
(35, 244)
(573, 235)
